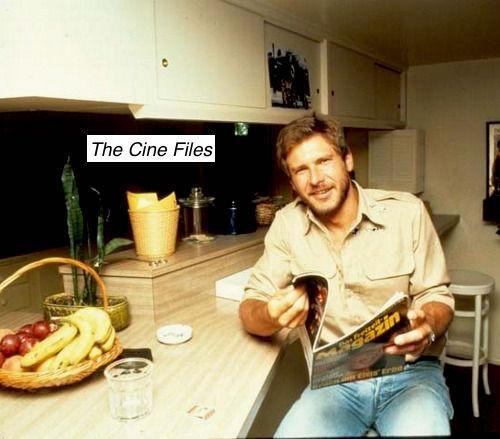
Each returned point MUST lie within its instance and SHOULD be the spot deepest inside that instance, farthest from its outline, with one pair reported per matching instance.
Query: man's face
(319, 175)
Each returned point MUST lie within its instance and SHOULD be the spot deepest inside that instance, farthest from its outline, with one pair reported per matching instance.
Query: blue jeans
(415, 402)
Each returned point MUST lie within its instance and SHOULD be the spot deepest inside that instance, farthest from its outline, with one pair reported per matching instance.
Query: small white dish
(174, 334)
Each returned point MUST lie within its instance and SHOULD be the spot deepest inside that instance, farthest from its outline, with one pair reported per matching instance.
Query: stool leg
(475, 355)
(486, 384)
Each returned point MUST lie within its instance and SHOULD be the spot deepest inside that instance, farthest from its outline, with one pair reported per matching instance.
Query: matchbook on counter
(358, 355)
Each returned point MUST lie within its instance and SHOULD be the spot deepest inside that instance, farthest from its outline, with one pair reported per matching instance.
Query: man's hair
(304, 128)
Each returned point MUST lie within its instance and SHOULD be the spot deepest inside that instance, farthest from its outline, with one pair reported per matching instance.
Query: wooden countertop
(126, 264)
(221, 367)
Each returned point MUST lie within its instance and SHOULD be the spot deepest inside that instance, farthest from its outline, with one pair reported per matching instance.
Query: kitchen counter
(221, 367)
(187, 254)
(154, 291)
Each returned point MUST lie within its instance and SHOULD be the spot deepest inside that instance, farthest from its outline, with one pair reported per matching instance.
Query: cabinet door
(279, 43)
(380, 160)
(396, 160)
(83, 49)
(211, 52)
(387, 93)
(351, 82)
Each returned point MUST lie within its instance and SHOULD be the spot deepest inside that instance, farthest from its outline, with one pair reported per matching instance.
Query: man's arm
(433, 304)
(270, 303)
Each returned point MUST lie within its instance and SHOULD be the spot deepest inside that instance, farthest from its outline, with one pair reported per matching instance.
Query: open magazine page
(316, 287)
(360, 354)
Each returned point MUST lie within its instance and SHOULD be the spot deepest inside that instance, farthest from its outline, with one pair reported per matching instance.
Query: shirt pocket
(387, 273)
(389, 265)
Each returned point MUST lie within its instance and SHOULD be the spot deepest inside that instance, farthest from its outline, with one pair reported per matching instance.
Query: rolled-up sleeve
(430, 280)
(272, 270)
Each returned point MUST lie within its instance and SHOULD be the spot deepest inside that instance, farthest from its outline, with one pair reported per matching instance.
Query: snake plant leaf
(100, 237)
(74, 221)
(115, 244)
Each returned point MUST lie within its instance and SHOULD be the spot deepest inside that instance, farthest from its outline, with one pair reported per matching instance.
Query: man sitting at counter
(371, 243)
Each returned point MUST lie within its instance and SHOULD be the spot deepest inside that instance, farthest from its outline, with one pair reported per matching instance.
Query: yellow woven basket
(68, 375)
(118, 309)
(155, 233)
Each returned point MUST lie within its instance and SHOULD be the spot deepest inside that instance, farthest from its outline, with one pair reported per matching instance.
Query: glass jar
(196, 216)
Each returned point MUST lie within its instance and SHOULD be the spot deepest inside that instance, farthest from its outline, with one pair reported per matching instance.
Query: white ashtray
(174, 334)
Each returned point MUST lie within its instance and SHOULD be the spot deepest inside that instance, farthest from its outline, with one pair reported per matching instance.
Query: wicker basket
(60, 377)
(155, 233)
(68, 375)
(56, 305)
(265, 212)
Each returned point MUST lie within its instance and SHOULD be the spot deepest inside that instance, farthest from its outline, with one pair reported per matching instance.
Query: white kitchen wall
(452, 102)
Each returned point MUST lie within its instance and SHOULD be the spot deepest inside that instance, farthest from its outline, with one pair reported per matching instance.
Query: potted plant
(84, 284)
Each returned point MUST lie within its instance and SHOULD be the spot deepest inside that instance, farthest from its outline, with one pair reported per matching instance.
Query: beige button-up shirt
(391, 247)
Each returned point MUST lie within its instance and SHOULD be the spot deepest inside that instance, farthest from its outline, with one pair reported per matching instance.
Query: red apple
(10, 345)
(27, 344)
(41, 329)
(26, 329)
(23, 336)
(4, 332)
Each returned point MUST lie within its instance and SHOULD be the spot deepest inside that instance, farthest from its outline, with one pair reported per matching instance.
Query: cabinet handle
(333, 93)
(164, 62)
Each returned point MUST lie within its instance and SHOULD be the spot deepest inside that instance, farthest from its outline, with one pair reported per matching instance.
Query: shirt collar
(367, 208)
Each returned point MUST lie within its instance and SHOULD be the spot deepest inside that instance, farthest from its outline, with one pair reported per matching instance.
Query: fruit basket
(32, 380)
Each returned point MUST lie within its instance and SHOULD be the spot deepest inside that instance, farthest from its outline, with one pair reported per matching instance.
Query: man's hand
(288, 308)
(412, 343)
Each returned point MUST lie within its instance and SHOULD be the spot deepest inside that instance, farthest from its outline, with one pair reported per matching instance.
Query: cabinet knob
(164, 62)
(333, 93)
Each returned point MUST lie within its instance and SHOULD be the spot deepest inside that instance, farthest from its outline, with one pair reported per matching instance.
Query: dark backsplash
(35, 146)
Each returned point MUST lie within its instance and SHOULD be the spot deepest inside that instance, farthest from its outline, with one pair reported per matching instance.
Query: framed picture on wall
(492, 159)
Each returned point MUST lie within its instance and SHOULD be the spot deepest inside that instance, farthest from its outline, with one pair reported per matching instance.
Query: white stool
(467, 283)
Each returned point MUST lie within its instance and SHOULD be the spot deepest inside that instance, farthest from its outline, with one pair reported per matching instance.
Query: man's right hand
(288, 308)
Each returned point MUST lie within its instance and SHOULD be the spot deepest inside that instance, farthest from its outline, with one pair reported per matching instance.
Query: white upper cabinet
(293, 71)
(90, 50)
(387, 93)
(209, 52)
(360, 87)
(351, 83)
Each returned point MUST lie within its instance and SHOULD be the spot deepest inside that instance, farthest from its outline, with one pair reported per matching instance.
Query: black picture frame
(492, 147)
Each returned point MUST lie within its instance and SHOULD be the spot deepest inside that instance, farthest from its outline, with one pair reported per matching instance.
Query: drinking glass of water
(130, 388)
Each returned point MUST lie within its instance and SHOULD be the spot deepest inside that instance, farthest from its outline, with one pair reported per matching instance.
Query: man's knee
(418, 411)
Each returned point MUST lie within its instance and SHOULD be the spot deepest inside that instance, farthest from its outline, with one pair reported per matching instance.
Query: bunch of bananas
(86, 334)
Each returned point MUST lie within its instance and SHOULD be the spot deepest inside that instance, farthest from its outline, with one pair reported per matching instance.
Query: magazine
(355, 356)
